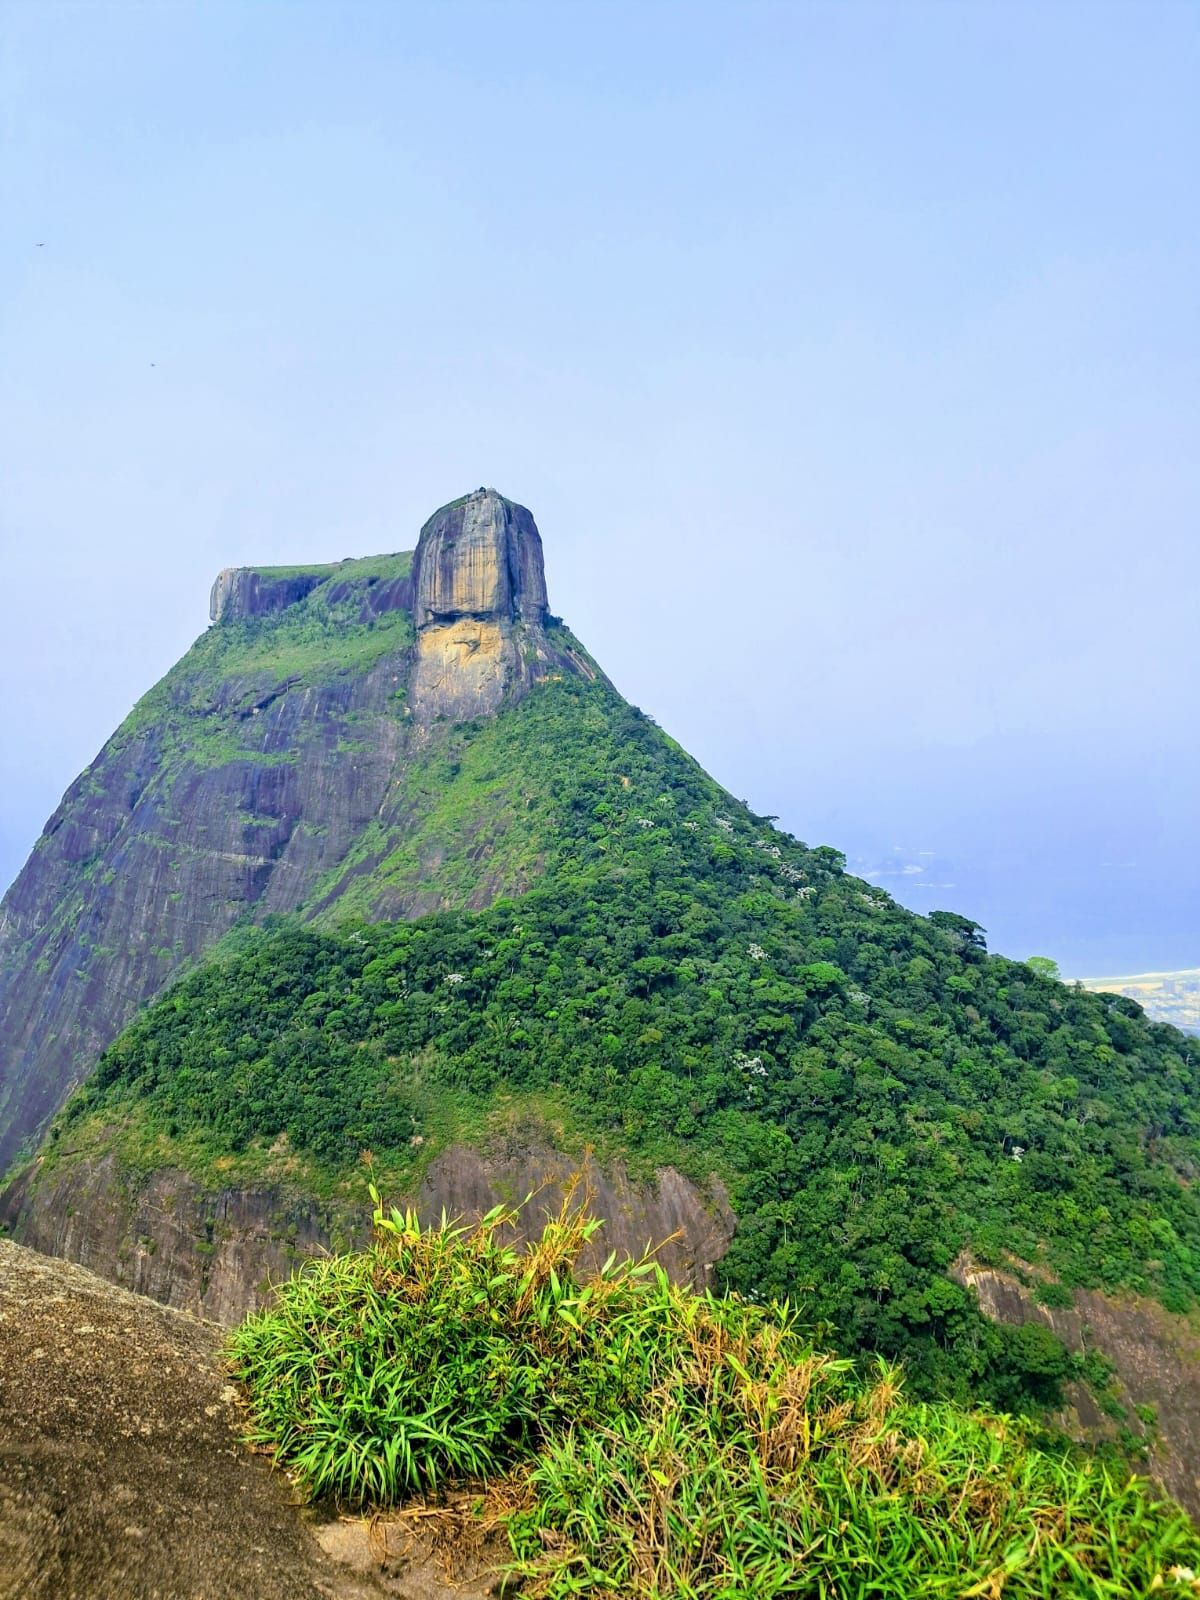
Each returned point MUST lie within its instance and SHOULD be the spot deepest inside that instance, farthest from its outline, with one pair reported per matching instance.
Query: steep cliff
(480, 609)
(293, 743)
(241, 592)
(1155, 1357)
(215, 1249)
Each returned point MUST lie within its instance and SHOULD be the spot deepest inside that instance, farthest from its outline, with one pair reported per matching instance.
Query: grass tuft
(644, 1440)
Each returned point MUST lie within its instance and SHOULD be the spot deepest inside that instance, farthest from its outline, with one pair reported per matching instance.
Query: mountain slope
(601, 935)
(294, 746)
(697, 988)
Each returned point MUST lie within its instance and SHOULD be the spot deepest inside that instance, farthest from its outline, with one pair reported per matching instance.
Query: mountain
(414, 884)
(276, 769)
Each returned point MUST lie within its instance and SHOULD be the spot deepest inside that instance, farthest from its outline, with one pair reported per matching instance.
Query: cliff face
(480, 608)
(480, 557)
(1155, 1356)
(155, 853)
(247, 782)
(240, 592)
(216, 1252)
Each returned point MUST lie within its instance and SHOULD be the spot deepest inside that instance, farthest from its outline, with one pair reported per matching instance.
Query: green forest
(697, 987)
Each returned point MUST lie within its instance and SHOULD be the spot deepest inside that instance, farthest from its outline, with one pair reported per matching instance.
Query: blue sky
(846, 354)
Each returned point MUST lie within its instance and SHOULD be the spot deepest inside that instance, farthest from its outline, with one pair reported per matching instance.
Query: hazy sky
(846, 355)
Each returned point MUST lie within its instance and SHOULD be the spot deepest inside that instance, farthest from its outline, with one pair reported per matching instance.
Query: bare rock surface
(480, 557)
(241, 592)
(421, 1554)
(216, 1254)
(155, 853)
(479, 603)
(123, 1475)
(688, 1231)
(1155, 1354)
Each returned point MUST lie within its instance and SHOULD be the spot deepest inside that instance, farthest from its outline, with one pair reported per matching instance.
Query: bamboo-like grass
(634, 1438)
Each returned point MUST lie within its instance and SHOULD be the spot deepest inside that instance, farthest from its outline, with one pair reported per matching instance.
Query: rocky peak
(480, 556)
(242, 785)
(479, 605)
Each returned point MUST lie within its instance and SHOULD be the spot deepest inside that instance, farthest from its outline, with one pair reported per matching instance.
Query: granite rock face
(217, 1252)
(240, 592)
(480, 609)
(123, 1468)
(246, 782)
(480, 557)
(155, 853)
(1155, 1355)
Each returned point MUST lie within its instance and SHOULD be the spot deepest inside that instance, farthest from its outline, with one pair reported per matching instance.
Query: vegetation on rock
(646, 1441)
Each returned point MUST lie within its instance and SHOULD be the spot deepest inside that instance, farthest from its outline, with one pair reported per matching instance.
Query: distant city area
(1166, 996)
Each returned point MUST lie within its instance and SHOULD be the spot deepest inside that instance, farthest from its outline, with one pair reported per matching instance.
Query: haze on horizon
(846, 356)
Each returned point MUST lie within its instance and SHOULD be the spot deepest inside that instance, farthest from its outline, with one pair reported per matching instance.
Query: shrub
(657, 1442)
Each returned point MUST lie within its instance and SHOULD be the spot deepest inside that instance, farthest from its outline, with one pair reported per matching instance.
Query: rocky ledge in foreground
(122, 1471)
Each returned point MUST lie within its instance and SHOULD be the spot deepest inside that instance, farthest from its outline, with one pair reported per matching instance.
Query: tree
(1044, 967)
(965, 935)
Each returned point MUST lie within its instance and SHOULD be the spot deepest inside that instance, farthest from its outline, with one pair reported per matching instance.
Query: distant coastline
(1166, 996)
